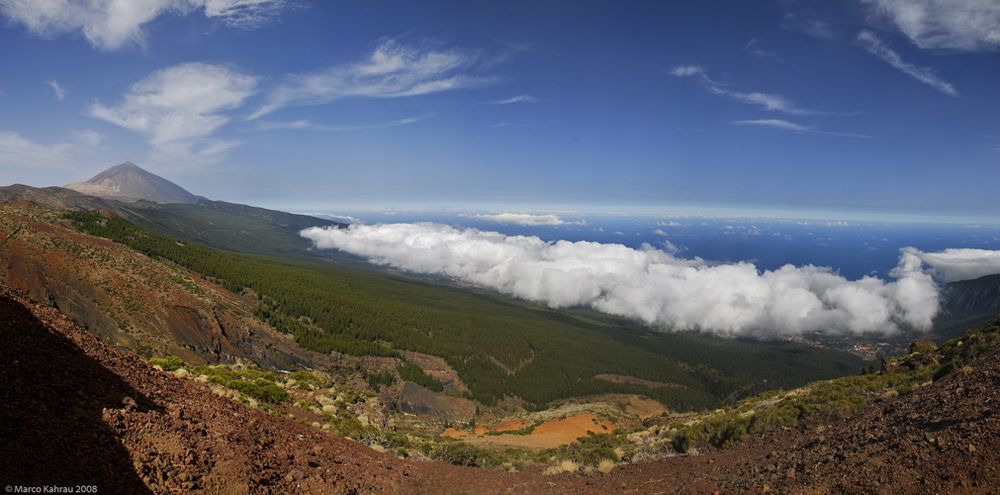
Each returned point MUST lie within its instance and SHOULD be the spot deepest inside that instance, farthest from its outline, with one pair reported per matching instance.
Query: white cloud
(687, 70)
(310, 126)
(526, 219)
(18, 151)
(753, 47)
(785, 125)
(178, 108)
(967, 25)
(651, 285)
(870, 42)
(516, 99)
(767, 101)
(392, 70)
(774, 123)
(57, 90)
(245, 14)
(952, 265)
(110, 24)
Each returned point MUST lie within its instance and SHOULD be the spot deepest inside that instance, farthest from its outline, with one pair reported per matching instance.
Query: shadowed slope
(51, 400)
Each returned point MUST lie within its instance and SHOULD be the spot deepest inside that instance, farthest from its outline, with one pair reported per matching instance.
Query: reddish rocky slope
(74, 409)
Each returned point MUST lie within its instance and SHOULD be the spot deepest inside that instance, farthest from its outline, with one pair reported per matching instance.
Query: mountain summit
(129, 182)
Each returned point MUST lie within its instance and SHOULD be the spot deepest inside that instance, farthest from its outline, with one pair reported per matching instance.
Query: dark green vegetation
(229, 226)
(498, 345)
(375, 380)
(412, 373)
(830, 400)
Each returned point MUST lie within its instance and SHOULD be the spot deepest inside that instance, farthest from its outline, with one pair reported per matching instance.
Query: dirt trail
(74, 409)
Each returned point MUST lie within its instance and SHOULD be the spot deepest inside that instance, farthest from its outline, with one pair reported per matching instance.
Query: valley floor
(75, 410)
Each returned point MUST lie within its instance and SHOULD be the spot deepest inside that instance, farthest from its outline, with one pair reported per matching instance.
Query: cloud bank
(952, 265)
(651, 285)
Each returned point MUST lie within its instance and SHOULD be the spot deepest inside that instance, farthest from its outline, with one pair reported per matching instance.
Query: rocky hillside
(75, 410)
(147, 305)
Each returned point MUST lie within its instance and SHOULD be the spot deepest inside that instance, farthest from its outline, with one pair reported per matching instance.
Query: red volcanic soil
(77, 410)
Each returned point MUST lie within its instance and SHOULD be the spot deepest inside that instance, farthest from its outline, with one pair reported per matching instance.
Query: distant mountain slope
(56, 197)
(229, 226)
(129, 182)
(966, 304)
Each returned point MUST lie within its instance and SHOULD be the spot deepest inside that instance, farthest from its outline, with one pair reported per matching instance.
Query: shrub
(306, 380)
(463, 454)
(592, 449)
(254, 383)
(375, 380)
(168, 363)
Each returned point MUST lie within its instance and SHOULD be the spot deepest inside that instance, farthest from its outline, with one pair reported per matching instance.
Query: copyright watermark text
(50, 489)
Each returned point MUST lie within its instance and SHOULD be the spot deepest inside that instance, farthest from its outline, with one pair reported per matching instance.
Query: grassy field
(499, 346)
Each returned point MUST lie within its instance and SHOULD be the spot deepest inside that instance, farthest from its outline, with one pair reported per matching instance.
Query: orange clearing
(510, 425)
(550, 434)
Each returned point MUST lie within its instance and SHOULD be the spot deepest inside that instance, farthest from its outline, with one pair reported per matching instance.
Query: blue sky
(880, 106)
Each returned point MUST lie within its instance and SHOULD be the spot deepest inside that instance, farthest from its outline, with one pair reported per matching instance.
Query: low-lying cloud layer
(525, 219)
(659, 288)
(952, 265)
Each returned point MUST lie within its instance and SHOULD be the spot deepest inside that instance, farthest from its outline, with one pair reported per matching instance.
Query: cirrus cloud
(767, 101)
(966, 25)
(874, 45)
(652, 285)
(111, 24)
(392, 70)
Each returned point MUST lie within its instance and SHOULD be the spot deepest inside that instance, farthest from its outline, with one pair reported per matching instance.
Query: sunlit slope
(229, 226)
(500, 346)
(150, 306)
